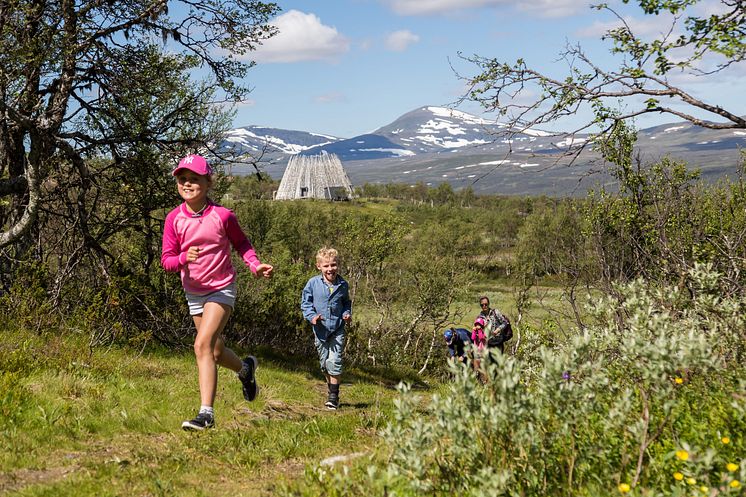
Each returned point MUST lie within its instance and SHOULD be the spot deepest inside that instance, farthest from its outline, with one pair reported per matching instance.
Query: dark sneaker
(247, 375)
(201, 422)
(332, 403)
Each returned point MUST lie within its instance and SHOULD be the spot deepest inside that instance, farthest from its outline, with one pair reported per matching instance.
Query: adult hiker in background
(497, 326)
(458, 341)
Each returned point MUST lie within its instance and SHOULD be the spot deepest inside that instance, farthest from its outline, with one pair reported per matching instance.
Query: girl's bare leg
(210, 349)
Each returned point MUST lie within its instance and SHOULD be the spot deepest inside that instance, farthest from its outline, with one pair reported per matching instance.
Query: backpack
(505, 335)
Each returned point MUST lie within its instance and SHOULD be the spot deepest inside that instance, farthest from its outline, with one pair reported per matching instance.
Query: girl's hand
(347, 318)
(264, 271)
(317, 318)
(192, 254)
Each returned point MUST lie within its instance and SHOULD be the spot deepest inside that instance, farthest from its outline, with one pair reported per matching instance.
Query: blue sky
(347, 67)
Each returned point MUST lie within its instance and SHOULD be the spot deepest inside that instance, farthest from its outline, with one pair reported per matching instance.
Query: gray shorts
(330, 353)
(225, 296)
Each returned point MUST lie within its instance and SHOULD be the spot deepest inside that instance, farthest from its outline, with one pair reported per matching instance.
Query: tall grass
(107, 421)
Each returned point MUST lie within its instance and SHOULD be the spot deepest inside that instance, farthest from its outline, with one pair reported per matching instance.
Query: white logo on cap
(188, 159)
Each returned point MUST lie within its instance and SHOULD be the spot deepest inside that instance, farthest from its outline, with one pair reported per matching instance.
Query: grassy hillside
(106, 422)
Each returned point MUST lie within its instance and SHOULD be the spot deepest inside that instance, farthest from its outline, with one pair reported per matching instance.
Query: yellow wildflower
(679, 381)
(704, 489)
(682, 454)
(691, 481)
(731, 467)
(735, 484)
(725, 440)
(624, 488)
(678, 476)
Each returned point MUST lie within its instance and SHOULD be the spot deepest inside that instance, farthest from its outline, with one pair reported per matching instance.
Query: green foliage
(267, 312)
(27, 303)
(633, 84)
(256, 186)
(579, 417)
(14, 399)
(662, 221)
(367, 242)
(540, 255)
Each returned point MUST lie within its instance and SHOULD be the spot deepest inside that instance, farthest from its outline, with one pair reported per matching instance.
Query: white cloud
(230, 105)
(708, 8)
(398, 41)
(647, 27)
(330, 98)
(419, 7)
(554, 8)
(301, 37)
(546, 8)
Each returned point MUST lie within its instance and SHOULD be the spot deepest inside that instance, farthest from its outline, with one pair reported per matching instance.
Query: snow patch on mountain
(449, 143)
(257, 138)
(328, 137)
(535, 132)
(240, 135)
(462, 116)
(570, 141)
(394, 151)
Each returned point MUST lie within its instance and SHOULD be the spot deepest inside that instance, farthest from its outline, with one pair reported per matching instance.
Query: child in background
(197, 240)
(458, 341)
(478, 336)
(325, 303)
(479, 339)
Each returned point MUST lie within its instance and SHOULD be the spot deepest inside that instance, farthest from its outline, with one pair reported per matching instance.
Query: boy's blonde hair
(326, 253)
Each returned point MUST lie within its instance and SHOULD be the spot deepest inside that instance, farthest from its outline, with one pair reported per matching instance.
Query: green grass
(107, 422)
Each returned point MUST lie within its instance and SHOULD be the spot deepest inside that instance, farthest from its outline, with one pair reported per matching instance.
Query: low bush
(606, 411)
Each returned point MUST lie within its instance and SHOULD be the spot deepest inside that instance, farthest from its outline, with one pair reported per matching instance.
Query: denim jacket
(332, 302)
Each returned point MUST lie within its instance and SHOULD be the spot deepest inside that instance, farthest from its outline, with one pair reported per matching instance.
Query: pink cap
(195, 163)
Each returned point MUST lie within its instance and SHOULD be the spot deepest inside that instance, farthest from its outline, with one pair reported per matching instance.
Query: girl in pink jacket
(478, 337)
(197, 240)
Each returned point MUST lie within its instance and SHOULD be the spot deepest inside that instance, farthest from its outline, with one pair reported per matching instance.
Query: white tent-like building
(314, 176)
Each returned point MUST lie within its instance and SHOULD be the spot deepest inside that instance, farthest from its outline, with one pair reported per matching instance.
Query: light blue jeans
(330, 353)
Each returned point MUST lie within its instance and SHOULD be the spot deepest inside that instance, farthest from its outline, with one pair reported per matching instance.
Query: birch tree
(112, 80)
(691, 44)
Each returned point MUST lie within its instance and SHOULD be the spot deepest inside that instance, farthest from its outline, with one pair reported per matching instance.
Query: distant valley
(434, 145)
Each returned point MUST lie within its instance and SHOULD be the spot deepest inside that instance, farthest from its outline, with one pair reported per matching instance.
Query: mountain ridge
(432, 145)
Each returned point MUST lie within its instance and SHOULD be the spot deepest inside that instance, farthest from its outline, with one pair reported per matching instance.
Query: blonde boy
(325, 303)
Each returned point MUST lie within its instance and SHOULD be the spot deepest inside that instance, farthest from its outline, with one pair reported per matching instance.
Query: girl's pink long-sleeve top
(214, 231)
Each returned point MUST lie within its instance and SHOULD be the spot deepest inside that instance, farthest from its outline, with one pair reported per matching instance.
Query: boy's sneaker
(332, 402)
(201, 422)
(247, 375)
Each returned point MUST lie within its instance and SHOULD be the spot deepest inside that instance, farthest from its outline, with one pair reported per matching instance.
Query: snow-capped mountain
(428, 130)
(255, 139)
(422, 131)
(434, 145)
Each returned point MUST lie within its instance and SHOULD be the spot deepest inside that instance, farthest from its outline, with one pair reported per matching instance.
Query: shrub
(596, 414)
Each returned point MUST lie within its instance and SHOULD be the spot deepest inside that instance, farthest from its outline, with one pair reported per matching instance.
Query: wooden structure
(314, 176)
